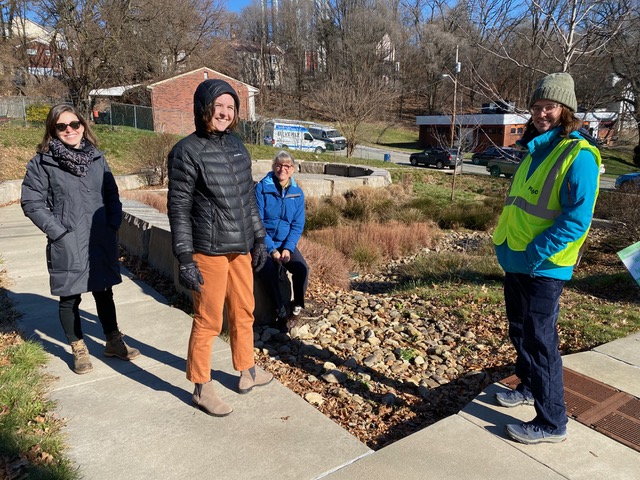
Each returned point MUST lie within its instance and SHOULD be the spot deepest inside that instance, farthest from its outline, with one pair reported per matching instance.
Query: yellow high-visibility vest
(533, 203)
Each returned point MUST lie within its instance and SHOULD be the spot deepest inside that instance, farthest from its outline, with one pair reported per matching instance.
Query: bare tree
(624, 58)
(108, 42)
(354, 99)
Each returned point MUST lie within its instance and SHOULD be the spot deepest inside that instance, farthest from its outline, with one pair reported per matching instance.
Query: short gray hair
(281, 156)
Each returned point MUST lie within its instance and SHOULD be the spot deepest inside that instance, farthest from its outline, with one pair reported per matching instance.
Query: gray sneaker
(513, 398)
(530, 434)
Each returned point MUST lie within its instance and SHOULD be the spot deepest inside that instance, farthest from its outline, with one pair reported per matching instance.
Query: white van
(329, 135)
(285, 134)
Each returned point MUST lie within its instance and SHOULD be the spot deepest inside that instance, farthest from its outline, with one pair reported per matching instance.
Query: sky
(236, 5)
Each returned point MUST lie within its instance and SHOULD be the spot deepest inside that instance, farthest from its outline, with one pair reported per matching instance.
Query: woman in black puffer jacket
(217, 237)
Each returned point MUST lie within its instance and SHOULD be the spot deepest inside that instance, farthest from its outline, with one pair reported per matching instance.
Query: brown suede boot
(81, 359)
(116, 347)
(253, 377)
(205, 398)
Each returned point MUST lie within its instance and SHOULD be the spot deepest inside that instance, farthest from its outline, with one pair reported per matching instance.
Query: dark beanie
(558, 87)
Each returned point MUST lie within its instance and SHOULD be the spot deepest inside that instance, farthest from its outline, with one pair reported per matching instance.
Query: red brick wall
(172, 101)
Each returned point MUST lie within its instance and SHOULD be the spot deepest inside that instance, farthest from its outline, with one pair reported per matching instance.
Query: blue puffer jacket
(282, 213)
(577, 196)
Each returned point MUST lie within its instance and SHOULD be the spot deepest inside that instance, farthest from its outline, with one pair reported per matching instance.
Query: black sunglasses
(61, 127)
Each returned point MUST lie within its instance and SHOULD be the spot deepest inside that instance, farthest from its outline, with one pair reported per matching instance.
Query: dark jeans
(299, 271)
(69, 311)
(532, 309)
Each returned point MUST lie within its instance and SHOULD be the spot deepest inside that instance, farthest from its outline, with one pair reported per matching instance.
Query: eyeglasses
(284, 166)
(61, 127)
(536, 109)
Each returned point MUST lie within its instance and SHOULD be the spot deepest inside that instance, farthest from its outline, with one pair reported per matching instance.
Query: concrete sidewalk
(134, 420)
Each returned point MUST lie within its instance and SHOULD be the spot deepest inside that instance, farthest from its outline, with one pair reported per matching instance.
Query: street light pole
(455, 94)
(456, 71)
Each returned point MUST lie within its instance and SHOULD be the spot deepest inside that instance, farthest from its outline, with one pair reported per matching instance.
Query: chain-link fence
(136, 116)
(17, 108)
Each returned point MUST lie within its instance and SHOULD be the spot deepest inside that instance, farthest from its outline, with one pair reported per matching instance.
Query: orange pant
(228, 281)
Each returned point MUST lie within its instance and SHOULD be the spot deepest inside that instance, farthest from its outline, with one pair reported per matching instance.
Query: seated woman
(281, 206)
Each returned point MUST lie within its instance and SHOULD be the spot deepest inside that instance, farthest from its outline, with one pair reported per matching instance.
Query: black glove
(259, 256)
(190, 276)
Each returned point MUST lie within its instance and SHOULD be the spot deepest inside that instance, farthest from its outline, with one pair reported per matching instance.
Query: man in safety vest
(538, 241)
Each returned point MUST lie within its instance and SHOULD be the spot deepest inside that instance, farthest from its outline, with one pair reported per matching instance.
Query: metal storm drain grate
(599, 406)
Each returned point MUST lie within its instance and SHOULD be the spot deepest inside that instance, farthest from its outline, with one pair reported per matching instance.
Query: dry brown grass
(156, 199)
(368, 244)
(326, 265)
(12, 162)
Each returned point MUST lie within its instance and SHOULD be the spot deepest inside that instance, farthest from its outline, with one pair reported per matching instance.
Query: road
(400, 158)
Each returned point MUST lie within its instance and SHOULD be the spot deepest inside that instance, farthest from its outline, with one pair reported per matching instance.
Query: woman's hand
(285, 256)
(276, 256)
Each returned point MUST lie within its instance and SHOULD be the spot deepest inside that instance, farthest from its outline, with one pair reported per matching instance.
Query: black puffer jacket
(211, 201)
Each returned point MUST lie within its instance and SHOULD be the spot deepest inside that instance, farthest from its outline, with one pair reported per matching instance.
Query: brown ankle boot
(254, 377)
(116, 347)
(81, 359)
(205, 398)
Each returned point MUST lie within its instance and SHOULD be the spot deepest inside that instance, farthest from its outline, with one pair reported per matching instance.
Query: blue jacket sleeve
(577, 198)
(297, 226)
(260, 205)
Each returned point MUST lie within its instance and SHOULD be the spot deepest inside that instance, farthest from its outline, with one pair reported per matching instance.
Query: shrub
(37, 113)
(474, 216)
(451, 267)
(369, 244)
(320, 214)
(366, 204)
(326, 264)
(366, 255)
(152, 152)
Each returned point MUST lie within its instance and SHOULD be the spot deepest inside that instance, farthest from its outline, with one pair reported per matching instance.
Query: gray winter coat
(211, 200)
(81, 217)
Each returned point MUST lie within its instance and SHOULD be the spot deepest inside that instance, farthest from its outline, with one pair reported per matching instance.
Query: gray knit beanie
(558, 87)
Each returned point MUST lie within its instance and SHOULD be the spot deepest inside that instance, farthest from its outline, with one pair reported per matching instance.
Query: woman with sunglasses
(70, 194)
(281, 205)
(538, 241)
(218, 239)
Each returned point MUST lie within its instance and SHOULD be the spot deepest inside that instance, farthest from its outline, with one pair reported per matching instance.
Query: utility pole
(456, 71)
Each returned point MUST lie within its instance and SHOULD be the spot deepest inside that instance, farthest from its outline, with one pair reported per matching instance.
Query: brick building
(480, 131)
(477, 131)
(172, 100)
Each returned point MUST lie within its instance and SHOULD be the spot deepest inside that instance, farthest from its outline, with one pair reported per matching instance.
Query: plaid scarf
(75, 161)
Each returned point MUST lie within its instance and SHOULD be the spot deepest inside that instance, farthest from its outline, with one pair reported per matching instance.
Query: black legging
(70, 314)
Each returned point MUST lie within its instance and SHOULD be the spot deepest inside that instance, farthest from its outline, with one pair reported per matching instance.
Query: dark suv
(492, 153)
(506, 166)
(440, 157)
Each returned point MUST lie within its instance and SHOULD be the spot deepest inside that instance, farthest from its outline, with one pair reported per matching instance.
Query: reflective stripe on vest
(540, 209)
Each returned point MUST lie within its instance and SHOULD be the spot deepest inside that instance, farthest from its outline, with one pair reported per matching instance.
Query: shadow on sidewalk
(40, 322)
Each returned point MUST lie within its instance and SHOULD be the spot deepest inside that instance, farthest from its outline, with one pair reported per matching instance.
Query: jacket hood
(206, 93)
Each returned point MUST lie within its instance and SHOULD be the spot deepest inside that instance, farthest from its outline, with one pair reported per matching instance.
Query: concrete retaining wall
(319, 179)
(145, 233)
(10, 189)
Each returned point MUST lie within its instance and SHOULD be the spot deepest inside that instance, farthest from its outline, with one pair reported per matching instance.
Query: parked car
(505, 166)
(456, 155)
(330, 136)
(629, 182)
(482, 158)
(440, 157)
